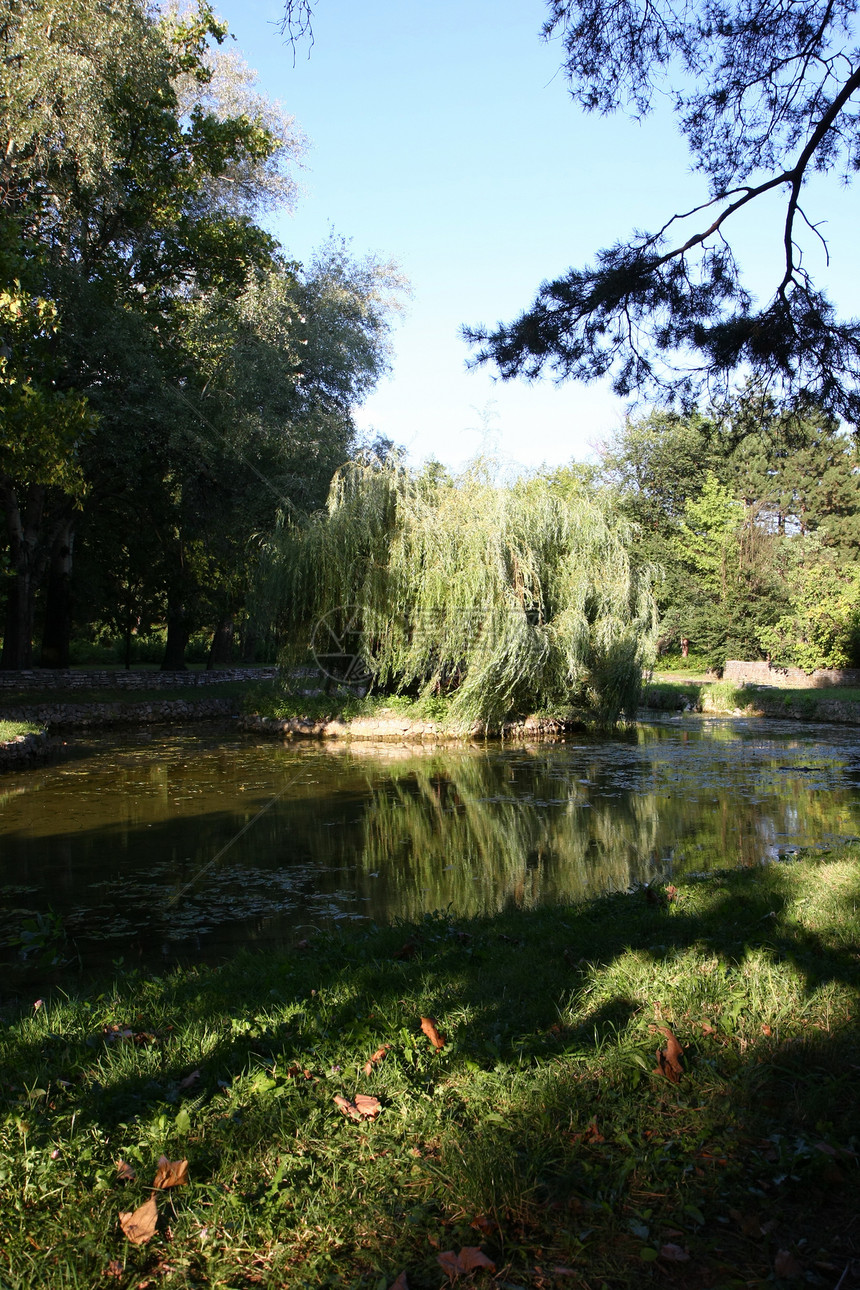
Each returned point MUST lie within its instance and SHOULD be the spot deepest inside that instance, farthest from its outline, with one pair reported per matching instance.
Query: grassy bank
(10, 730)
(545, 1132)
(724, 698)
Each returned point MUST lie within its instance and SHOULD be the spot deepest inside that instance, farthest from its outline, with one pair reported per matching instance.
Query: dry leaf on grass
(674, 1254)
(171, 1173)
(361, 1107)
(139, 1227)
(671, 892)
(125, 1172)
(114, 1032)
(114, 1269)
(590, 1134)
(428, 1025)
(836, 1152)
(668, 1058)
(375, 1059)
(400, 1284)
(470, 1258)
(786, 1265)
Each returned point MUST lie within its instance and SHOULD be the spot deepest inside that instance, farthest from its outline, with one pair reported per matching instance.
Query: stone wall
(787, 678)
(86, 716)
(72, 679)
(24, 749)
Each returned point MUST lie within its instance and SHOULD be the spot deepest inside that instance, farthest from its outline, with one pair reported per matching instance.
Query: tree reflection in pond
(121, 839)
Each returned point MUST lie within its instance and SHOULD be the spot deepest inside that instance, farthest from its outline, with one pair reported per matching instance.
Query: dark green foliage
(765, 94)
(214, 379)
(752, 515)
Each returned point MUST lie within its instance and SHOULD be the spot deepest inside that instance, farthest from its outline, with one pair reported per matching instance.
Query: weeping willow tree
(510, 598)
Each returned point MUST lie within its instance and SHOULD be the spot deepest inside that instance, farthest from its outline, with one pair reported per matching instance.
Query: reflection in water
(120, 837)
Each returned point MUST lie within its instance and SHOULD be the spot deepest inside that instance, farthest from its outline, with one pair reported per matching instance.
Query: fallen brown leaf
(114, 1032)
(139, 1227)
(361, 1107)
(470, 1258)
(375, 1059)
(428, 1025)
(589, 1134)
(786, 1265)
(125, 1172)
(835, 1151)
(671, 892)
(400, 1284)
(766, 1030)
(171, 1173)
(449, 1263)
(114, 1269)
(668, 1063)
(708, 1029)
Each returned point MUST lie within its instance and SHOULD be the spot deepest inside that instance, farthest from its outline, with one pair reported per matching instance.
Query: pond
(163, 846)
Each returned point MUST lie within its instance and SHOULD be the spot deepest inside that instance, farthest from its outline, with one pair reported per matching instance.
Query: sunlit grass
(540, 1132)
(10, 730)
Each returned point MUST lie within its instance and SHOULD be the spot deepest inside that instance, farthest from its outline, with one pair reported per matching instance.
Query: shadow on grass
(541, 1131)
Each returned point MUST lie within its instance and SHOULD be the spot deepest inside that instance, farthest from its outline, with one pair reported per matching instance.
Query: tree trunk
(22, 528)
(178, 633)
(221, 650)
(56, 635)
(249, 644)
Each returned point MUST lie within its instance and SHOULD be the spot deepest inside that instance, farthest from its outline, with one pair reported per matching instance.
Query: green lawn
(10, 730)
(546, 1132)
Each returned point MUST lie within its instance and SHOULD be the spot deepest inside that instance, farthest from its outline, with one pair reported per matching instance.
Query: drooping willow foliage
(510, 598)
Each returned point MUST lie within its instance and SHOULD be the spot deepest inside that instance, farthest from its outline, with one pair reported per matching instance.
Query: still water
(159, 846)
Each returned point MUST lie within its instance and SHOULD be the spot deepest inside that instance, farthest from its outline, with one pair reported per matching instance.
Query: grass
(750, 700)
(283, 703)
(541, 1132)
(10, 730)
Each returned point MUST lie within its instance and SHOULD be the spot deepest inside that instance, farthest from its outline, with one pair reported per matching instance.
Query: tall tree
(508, 597)
(140, 157)
(766, 94)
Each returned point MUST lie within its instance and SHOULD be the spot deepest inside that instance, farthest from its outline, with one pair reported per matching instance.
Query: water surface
(165, 845)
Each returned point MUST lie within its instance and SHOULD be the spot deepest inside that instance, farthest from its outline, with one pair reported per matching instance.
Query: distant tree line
(753, 517)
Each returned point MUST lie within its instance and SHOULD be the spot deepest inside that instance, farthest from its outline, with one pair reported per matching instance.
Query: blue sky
(443, 136)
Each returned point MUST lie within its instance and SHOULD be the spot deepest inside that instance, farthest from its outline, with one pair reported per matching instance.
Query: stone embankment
(41, 706)
(759, 672)
(41, 678)
(87, 716)
(390, 727)
(22, 750)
